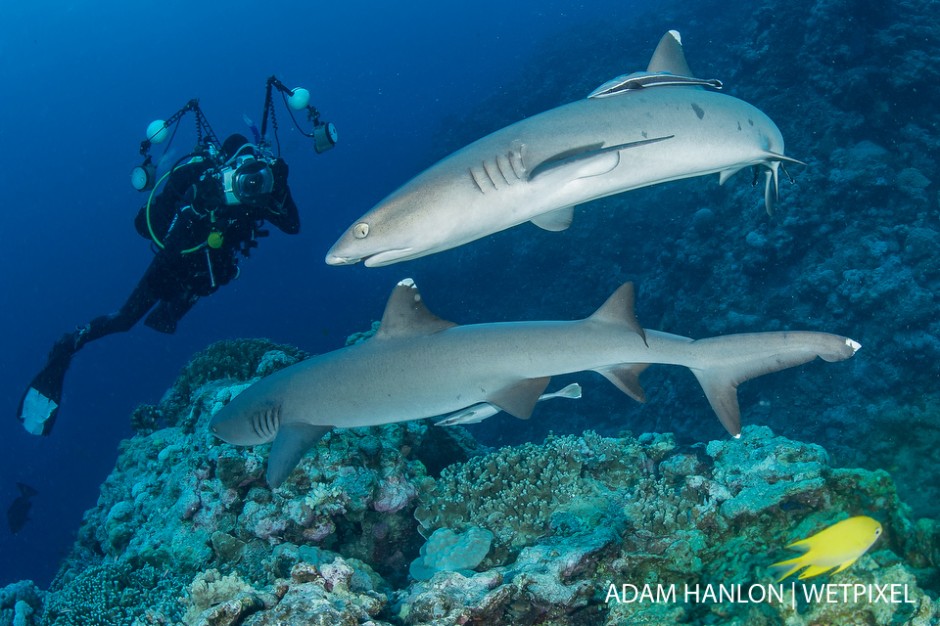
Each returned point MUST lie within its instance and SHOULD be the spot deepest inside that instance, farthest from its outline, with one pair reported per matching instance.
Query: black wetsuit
(189, 209)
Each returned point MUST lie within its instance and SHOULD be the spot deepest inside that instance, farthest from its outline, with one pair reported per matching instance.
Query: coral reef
(186, 532)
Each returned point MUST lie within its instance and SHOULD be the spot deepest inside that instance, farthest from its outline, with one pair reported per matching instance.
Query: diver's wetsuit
(182, 217)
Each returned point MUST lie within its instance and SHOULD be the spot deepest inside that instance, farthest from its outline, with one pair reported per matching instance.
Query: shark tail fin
(669, 57)
(751, 355)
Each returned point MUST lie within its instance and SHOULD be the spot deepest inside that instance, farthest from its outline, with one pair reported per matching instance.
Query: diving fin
(39, 405)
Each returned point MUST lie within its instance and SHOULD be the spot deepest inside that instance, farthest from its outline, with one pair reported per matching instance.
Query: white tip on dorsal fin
(407, 316)
(619, 309)
(669, 57)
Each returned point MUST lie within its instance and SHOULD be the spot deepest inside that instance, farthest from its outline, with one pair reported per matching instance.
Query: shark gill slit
(505, 169)
(490, 174)
(476, 181)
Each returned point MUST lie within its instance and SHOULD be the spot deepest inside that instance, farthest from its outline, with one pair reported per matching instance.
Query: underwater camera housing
(246, 180)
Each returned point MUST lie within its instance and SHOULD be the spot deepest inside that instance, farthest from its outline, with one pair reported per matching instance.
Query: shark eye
(361, 230)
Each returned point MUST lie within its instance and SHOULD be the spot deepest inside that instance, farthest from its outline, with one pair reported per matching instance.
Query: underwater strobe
(144, 176)
(324, 134)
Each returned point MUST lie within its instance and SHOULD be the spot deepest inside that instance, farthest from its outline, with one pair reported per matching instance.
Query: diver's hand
(279, 169)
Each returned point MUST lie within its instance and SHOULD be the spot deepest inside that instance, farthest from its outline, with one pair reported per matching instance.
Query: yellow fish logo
(840, 545)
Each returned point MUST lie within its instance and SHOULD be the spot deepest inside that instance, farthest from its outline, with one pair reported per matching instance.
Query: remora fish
(418, 365)
(634, 131)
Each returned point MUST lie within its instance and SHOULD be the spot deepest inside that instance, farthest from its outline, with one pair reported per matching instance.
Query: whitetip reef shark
(634, 131)
(418, 365)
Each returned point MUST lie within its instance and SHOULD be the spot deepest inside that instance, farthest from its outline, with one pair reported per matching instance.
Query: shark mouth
(386, 257)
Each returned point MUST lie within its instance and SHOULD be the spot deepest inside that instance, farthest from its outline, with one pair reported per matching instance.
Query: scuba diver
(211, 210)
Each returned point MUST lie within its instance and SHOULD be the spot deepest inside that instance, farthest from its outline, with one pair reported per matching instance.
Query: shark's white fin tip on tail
(738, 436)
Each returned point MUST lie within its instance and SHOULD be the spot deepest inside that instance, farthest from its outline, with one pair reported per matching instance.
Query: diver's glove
(279, 169)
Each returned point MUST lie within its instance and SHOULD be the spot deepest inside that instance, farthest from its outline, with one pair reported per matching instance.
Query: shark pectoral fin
(555, 221)
(558, 172)
(519, 399)
(626, 378)
(406, 316)
(470, 415)
(291, 444)
(619, 309)
(585, 162)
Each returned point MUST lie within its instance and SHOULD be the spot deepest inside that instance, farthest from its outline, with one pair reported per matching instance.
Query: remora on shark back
(634, 131)
(418, 365)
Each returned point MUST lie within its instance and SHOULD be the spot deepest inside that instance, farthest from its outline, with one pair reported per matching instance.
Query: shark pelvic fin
(555, 221)
(626, 378)
(519, 399)
(407, 316)
(669, 57)
(619, 309)
(291, 444)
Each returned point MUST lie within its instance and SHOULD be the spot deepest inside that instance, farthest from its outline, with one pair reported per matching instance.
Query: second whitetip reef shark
(634, 131)
(418, 365)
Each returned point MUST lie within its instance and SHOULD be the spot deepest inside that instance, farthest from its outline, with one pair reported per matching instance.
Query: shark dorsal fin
(669, 57)
(406, 316)
(619, 309)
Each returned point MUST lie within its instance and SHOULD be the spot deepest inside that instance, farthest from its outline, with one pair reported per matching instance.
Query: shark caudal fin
(733, 359)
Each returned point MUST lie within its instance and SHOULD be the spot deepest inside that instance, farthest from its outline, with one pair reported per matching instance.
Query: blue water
(79, 87)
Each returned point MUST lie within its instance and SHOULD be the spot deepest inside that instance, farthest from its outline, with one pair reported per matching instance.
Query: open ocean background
(80, 84)
(408, 83)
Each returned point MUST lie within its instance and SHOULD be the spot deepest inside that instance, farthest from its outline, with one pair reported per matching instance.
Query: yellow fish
(840, 545)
